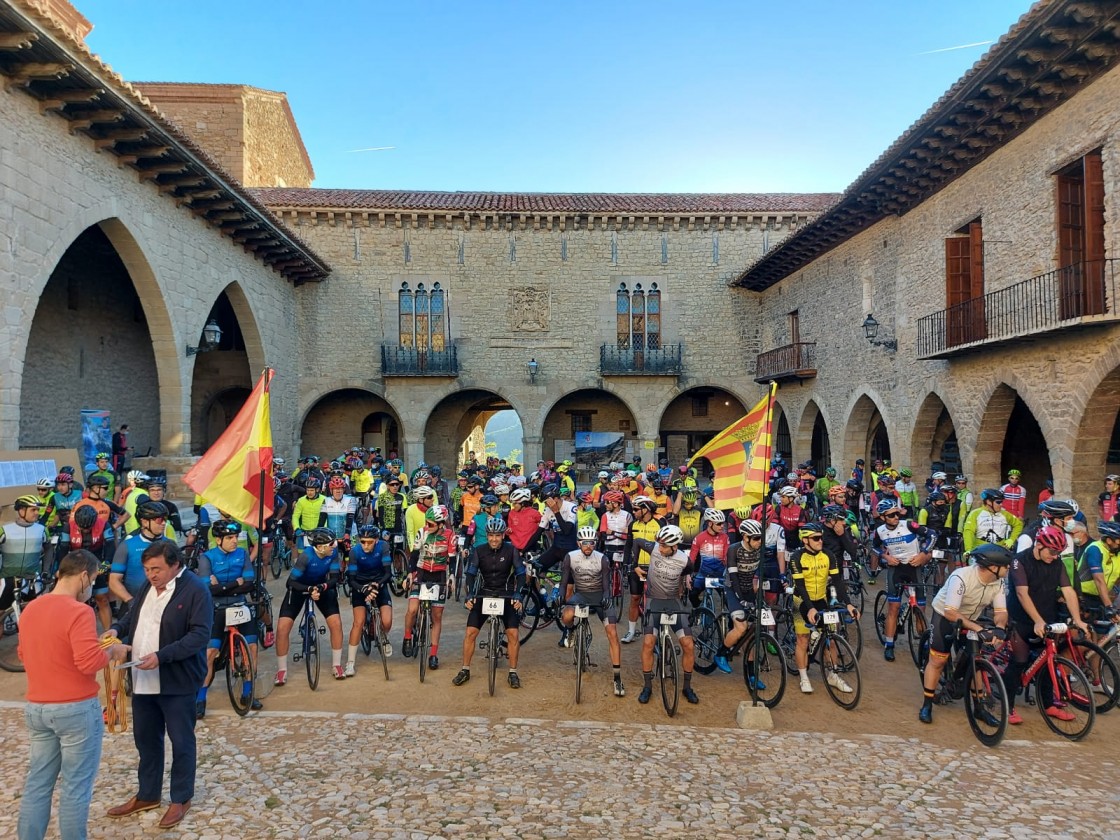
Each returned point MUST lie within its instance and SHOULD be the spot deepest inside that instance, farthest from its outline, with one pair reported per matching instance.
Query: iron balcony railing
(1076, 294)
(792, 361)
(411, 361)
(627, 361)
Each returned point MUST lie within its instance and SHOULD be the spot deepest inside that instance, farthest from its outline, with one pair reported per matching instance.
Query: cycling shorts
(654, 610)
(801, 624)
(511, 618)
(607, 615)
(900, 576)
(218, 630)
(425, 577)
(292, 605)
(384, 597)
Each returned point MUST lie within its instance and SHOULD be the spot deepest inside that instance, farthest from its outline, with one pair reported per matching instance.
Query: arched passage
(1011, 437)
(457, 426)
(342, 419)
(812, 438)
(606, 416)
(933, 445)
(693, 418)
(783, 440)
(90, 345)
(1097, 449)
(221, 372)
(865, 434)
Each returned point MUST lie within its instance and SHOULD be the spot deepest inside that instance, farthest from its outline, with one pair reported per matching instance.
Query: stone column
(532, 453)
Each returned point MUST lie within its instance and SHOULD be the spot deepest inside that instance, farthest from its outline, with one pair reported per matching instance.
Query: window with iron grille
(638, 317)
(422, 317)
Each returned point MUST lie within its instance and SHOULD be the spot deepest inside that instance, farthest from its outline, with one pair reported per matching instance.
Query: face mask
(1068, 527)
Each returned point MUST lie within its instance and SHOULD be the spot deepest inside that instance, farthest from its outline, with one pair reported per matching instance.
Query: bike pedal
(297, 657)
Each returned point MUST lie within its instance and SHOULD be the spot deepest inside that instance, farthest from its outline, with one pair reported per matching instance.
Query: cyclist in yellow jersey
(660, 497)
(688, 516)
(586, 515)
(414, 516)
(307, 512)
(644, 527)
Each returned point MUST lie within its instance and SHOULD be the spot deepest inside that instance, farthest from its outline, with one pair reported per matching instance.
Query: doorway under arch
(693, 418)
(865, 435)
(596, 411)
(1010, 437)
(218, 373)
(337, 421)
(1097, 448)
(933, 446)
(457, 426)
(812, 437)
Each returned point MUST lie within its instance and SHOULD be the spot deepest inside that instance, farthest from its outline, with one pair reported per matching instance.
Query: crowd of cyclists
(639, 546)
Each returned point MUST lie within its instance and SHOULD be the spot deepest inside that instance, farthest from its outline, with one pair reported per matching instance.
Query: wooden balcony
(790, 362)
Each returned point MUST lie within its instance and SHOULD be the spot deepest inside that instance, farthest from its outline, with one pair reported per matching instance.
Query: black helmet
(151, 510)
(990, 554)
(97, 481)
(488, 499)
(85, 517)
(321, 536)
(225, 528)
(550, 491)
(154, 480)
(313, 484)
(991, 495)
(852, 484)
(1057, 508)
(368, 532)
(936, 496)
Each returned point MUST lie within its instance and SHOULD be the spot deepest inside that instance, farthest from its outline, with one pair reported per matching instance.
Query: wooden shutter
(977, 325)
(958, 288)
(1094, 302)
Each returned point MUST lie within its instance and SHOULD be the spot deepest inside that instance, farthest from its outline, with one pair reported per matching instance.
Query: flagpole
(260, 503)
(770, 388)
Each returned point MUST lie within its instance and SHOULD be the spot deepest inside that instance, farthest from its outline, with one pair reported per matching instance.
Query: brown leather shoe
(174, 814)
(132, 806)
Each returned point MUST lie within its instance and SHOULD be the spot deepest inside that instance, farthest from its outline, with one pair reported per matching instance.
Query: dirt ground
(888, 706)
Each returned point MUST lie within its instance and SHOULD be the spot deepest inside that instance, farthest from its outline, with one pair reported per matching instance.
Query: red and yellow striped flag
(229, 474)
(740, 456)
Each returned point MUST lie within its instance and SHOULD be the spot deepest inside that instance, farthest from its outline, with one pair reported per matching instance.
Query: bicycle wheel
(263, 612)
(367, 632)
(669, 674)
(916, 628)
(239, 675)
(705, 634)
(422, 636)
(400, 571)
(845, 666)
(492, 653)
(460, 574)
(581, 651)
(765, 676)
(1073, 694)
(531, 608)
(786, 635)
(881, 617)
(311, 651)
(618, 589)
(380, 639)
(276, 560)
(287, 552)
(986, 705)
(1102, 672)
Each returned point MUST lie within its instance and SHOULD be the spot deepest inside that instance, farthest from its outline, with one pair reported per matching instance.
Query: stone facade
(1069, 379)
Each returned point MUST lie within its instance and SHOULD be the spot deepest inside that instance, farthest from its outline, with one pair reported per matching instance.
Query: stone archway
(456, 426)
(1097, 448)
(933, 445)
(590, 410)
(101, 336)
(338, 419)
(217, 415)
(694, 417)
(812, 438)
(865, 433)
(1010, 436)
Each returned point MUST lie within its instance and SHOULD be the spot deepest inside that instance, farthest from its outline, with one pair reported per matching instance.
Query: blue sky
(572, 97)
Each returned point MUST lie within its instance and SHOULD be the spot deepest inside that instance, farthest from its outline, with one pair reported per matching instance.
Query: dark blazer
(184, 633)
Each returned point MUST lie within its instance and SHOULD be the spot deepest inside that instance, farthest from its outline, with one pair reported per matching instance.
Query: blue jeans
(66, 743)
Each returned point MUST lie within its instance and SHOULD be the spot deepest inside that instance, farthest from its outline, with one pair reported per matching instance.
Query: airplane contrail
(371, 149)
(960, 47)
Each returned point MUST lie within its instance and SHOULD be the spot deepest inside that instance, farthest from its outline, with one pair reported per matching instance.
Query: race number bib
(493, 606)
(237, 615)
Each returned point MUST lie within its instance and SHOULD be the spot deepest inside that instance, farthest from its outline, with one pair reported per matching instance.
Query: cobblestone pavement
(294, 775)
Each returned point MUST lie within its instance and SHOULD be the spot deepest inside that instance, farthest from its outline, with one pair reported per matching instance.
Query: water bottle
(833, 601)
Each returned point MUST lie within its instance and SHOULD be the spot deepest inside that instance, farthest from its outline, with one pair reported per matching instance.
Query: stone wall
(211, 115)
(896, 269)
(274, 155)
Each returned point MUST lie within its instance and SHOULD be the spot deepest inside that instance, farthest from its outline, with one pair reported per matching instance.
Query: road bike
(580, 640)
(236, 658)
(310, 629)
(540, 598)
(16, 593)
(398, 563)
(833, 654)
(710, 624)
(666, 657)
(764, 664)
(281, 557)
(422, 631)
(493, 634)
(456, 574)
(1098, 666)
(911, 618)
(618, 581)
(373, 634)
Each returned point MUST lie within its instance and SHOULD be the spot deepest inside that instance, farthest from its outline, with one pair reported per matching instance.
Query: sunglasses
(815, 539)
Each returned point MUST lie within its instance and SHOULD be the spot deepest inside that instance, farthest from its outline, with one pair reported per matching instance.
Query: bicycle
(666, 657)
(429, 594)
(581, 643)
(457, 572)
(710, 624)
(193, 549)
(766, 670)
(309, 631)
(852, 570)
(261, 601)
(398, 564)
(969, 675)
(493, 634)
(618, 582)
(826, 643)
(540, 598)
(373, 634)
(1072, 691)
(236, 658)
(911, 619)
(1098, 666)
(281, 557)
(23, 592)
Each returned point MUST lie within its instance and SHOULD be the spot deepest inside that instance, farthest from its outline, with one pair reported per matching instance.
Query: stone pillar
(412, 452)
(532, 453)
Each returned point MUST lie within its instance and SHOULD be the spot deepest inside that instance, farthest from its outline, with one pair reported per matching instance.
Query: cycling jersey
(691, 522)
(562, 538)
(390, 507)
(968, 595)
(1042, 581)
(1107, 502)
(813, 572)
(904, 541)
(984, 526)
(477, 528)
(109, 476)
(663, 578)
(59, 504)
(662, 501)
(711, 552)
(226, 567)
(597, 493)
(589, 574)
(907, 494)
(615, 528)
(642, 531)
(367, 567)
(339, 513)
(307, 513)
(471, 504)
(586, 518)
(433, 550)
(1097, 559)
(126, 562)
(21, 549)
(1014, 499)
(361, 480)
(521, 526)
(499, 571)
(94, 539)
(309, 569)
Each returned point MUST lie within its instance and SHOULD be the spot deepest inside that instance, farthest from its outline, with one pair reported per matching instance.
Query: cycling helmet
(939, 476)
(1014, 472)
(830, 512)
(991, 495)
(495, 525)
(961, 479)
(788, 492)
(690, 494)
(1056, 508)
(1076, 507)
(631, 473)
(85, 517)
(852, 484)
(742, 513)
(436, 470)
(603, 474)
(336, 483)
(750, 528)
(550, 491)
(501, 490)
(810, 529)
(474, 481)
(151, 510)
(28, 501)
(1051, 537)
(670, 535)
(683, 469)
(948, 488)
(422, 475)
(225, 528)
(436, 513)
(368, 532)
(906, 472)
(714, 515)
(1109, 530)
(44, 484)
(522, 495)
(936, 496)
(426, 493)
(321, 536)
(835, 492)
(615, 496)
(489, 499)
(645, 502)
(278, 461)
(565, 491)
(335, 466)
(583, 497)
(97, 481)
(101, 456)
(1109, 477)
(990, 554)
(830, 472)
(313, 484)
(793, 477)
(64, 478)
(657, 484)
(887, 505)
(587, 534)
(886, 479)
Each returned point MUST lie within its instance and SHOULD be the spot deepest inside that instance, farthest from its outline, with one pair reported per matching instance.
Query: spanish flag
(231, 473)
(740, 455)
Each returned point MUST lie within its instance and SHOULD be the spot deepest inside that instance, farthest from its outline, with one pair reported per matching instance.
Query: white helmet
(44, 484)
(424, 492)
(134, 475)
(521, 494)
(714, 515)
(788, 492)
(501, 490)
(939, 476)
(670, 535)
(603, 474)
(587, 534)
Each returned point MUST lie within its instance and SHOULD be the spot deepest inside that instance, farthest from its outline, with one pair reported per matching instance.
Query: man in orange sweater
(61, 653)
